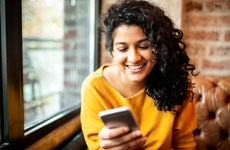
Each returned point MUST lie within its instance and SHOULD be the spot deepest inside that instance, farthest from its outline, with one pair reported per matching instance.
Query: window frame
(3, 102)
(12, 114)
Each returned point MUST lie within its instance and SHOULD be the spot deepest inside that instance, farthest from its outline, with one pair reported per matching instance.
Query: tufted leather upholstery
(212, 95)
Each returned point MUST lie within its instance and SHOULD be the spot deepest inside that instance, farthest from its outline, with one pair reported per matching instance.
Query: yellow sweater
(162, 129)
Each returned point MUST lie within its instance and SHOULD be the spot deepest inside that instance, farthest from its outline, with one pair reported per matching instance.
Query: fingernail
(143, 139)
(126, 129)
(138, 133)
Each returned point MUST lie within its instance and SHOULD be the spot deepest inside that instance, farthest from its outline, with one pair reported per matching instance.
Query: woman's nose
(134, 55)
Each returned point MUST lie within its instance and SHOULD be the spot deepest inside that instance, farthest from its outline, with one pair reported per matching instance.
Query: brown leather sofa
(212, 94)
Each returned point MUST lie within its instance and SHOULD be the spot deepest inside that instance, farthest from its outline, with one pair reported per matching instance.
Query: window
(56, 54)
(46, 52)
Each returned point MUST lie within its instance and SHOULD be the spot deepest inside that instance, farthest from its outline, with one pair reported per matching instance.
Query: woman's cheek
(120, 59)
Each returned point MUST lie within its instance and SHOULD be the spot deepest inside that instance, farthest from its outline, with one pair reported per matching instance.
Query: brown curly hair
(168, 83)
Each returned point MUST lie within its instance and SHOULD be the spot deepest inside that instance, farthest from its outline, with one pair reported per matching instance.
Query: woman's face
(132, 52)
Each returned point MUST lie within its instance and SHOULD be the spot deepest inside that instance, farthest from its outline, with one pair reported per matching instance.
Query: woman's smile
(135, 68)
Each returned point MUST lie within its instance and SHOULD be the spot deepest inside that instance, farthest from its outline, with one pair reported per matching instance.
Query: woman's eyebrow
(139, 41)
(143, 40)
(116, 43)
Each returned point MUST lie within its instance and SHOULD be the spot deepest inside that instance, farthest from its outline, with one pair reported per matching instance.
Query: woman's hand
(120, 138)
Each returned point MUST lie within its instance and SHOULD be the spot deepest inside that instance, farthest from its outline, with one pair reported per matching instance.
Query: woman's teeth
(135, 67)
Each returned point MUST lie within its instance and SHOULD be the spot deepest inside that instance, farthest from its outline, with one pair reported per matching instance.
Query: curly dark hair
(168, 83)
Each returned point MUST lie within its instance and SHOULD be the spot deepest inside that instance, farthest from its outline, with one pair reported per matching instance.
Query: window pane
(56, 37)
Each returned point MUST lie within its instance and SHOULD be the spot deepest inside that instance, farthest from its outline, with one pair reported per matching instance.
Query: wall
(105, 56)
(206, 25)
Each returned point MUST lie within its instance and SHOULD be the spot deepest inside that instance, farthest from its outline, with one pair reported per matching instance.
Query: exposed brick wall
(105, 56)
(206, 25)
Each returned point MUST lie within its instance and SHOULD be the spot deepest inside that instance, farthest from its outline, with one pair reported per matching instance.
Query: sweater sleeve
(91, 123)
(184, 125)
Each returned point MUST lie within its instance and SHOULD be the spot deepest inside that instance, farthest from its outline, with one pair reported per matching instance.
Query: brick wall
(206, 25)
(105, 56)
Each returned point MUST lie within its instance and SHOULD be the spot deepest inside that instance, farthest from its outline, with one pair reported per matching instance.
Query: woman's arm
(185, 124)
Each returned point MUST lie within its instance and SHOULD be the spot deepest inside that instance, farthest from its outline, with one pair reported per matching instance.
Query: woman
(150, 76)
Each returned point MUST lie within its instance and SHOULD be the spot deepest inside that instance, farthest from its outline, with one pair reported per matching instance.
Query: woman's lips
(135, 68)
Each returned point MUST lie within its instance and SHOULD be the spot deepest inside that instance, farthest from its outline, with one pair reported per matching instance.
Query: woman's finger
(107, 133)
(121, 141)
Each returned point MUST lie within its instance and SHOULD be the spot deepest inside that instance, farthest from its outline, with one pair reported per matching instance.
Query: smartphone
(120, 116)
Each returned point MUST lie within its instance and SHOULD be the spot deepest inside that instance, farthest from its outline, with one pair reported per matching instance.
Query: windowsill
(57, 136)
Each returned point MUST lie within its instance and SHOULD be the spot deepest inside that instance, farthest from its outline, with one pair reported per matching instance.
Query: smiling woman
(150, 76)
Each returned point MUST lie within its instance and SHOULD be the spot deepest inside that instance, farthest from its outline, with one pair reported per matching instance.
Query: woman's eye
(123, 49)
(144, 47)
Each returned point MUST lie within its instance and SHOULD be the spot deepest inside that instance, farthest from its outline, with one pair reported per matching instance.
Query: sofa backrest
(212, 95)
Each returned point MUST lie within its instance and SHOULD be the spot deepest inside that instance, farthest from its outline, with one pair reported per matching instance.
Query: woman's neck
(120, 82)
